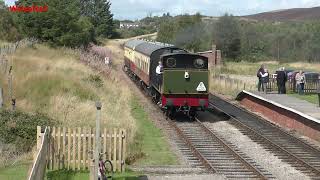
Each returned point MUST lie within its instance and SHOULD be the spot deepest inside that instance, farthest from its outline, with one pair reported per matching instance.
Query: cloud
(134, 9)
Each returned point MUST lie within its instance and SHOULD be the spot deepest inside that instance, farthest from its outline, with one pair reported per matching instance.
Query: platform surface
(302, 107)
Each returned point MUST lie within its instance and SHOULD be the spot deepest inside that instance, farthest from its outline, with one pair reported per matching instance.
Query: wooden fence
(39, 165)
(72, 148)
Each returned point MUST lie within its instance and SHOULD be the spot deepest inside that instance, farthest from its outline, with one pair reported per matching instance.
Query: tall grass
(55, 82)
(228, 85)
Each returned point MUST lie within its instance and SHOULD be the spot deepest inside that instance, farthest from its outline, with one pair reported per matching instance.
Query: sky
(137, 9)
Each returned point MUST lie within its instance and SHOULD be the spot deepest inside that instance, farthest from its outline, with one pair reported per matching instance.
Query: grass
(312, 98)
(2, 43)
(245, 73)
(15, 172)
(84, 175)
(56, 83)
(248, 68)
(152, 144)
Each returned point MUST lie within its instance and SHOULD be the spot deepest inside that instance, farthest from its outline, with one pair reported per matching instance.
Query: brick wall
(214, 56)
(283, 117)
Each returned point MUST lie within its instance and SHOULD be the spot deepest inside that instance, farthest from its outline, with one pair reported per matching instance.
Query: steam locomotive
(184, 81)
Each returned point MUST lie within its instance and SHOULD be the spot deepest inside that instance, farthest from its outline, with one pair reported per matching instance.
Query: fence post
(97, 150)
(1, 98)
(38, 140)
(318, 92)
(92, 170)
(10, 83)
(244, 86)
(124, 150)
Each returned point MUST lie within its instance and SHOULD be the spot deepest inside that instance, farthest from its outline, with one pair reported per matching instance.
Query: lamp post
(97, 150)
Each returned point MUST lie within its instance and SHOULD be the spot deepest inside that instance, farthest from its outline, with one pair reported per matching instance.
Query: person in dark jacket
(281, 81)
(260, 83)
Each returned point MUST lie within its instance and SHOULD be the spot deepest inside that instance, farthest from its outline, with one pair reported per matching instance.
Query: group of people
(263, 77)
(300, 81)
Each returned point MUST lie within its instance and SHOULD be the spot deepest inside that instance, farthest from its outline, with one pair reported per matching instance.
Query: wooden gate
(72, 148)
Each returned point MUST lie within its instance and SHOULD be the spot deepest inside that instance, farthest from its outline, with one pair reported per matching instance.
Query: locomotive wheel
(170, 113)
(192, 114)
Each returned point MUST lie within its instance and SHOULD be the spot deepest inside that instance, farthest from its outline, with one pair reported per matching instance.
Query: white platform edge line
(284, 107)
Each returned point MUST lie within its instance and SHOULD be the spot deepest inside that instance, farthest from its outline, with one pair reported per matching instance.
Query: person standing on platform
(260, 83)
(300, 80)
(265, 79)
(281, 81)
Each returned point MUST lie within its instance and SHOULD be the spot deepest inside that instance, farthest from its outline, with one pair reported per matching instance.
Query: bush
(95, 80)
(20, 129)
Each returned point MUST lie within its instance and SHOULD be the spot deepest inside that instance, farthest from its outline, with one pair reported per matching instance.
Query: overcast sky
(136, 9)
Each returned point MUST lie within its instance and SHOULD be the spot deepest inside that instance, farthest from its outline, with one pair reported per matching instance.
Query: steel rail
(194, 150)
(230, 150)
(246, 127)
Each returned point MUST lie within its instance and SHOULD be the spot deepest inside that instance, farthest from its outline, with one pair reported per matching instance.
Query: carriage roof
(146, 47)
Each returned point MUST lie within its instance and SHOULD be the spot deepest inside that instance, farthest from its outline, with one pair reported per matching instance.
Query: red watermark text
(29, 9)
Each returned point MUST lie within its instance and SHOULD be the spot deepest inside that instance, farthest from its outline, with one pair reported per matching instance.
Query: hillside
(296, 14)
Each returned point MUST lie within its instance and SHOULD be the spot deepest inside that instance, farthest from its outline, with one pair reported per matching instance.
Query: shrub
(95, 80)
(20, 129)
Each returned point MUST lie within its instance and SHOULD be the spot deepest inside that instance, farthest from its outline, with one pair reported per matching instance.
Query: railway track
(215, 153)
(208, 150)
(296, 152)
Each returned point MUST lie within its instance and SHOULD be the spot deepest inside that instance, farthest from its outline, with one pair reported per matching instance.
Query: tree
(8, 30)
(228, 36)
(314, 48)
(167, 32)
(101, 16)
(62, 25)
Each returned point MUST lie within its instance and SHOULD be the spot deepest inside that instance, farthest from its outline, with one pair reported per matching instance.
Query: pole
(1, 98)
(97, 151)
(10, 83)
(318, 91)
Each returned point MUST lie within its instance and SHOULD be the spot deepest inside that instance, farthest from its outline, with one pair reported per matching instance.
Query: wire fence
(6, 69)
(224, 84)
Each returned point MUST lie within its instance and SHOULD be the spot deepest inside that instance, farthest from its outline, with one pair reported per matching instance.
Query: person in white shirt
(265, 79)
(159, 71)
(159, 68)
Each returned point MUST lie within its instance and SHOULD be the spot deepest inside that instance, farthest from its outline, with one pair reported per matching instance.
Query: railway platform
(286, 111)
